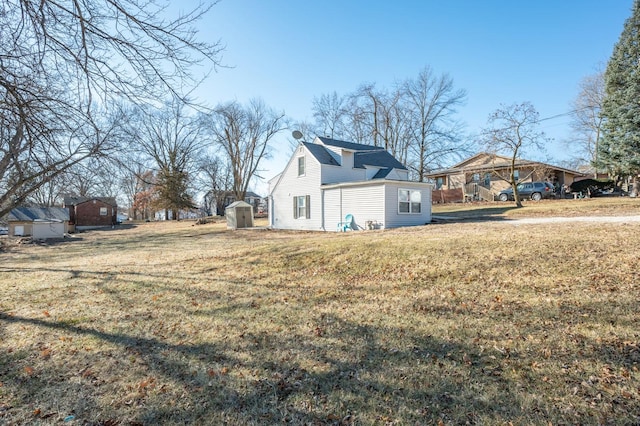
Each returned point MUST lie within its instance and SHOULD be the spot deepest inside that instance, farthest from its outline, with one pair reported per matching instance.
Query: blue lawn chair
(347, 225)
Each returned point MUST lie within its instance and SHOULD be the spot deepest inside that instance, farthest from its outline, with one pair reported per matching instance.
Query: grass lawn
(478, 322)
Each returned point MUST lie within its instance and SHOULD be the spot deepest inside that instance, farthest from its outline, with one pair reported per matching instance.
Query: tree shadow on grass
(340, 372)
(343, 372)
(489, 213)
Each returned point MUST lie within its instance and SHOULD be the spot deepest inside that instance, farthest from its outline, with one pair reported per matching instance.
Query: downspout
(341, 215)
(322, 218)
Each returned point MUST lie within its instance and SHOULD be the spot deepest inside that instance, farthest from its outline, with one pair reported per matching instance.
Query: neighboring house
(327, 180)
(224, 199)
(91, 212)
(38, 222)
(484, 175)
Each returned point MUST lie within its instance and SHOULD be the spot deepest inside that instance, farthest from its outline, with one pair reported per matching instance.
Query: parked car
(534, 190)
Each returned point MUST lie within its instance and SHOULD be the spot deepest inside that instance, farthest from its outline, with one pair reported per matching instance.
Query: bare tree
(132, 182)
(586, 119)
(378, 116)
(48, 194)
(512, 130)
(244, 133)
(367, 104)
(431, 102)
(173, 140)
(415, 121)
(214, 180)
(329, 111)
(61, 67)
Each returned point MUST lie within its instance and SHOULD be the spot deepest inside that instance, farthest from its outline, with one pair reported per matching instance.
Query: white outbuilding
(239, 215)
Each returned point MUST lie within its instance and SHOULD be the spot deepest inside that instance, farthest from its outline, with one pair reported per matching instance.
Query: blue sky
(499, 51)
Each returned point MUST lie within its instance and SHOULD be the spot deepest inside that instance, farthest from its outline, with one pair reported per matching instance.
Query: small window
(300, 166)
(301, 208)
(103, 211)
(439, 183)
(409, 202)
(487, 179)
(476, 177)
(516, 175)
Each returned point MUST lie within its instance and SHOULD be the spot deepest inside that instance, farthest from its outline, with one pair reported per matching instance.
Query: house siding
(291, 185)
(364, 202)
(337, 174)
(333, 209)
(394, 219)
(456, 181)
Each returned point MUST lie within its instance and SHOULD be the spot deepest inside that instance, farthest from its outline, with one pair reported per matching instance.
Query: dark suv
(534, 190)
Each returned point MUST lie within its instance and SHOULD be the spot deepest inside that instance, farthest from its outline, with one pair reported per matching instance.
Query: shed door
(242, 213)
(18, 231)
(48, 230)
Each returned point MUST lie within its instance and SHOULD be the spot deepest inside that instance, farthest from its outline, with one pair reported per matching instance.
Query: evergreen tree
(619, 150)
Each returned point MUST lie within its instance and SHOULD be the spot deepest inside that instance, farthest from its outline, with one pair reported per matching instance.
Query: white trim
(378, 182)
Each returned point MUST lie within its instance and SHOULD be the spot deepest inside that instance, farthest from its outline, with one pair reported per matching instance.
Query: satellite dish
(297, 134)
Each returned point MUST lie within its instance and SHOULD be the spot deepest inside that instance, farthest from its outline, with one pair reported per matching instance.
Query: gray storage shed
(239, 215)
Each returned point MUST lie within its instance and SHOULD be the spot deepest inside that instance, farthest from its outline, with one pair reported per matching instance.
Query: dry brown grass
(473, 322)
(581, 207)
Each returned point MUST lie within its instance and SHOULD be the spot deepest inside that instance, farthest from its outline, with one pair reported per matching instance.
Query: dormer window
(300, 166)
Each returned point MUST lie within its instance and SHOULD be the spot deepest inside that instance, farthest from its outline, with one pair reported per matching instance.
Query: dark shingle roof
(22, 214)
(74, 201)
(349, 145)
(364, 155)
(320, 153)
(378, 158)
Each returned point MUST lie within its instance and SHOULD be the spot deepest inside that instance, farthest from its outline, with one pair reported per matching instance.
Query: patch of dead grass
(170, 323)
(606, 206)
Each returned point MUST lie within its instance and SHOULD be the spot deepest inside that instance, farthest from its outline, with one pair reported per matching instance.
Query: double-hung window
(301, 207)
(409, 201)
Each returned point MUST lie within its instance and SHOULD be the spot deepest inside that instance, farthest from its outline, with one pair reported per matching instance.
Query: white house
(327, 180)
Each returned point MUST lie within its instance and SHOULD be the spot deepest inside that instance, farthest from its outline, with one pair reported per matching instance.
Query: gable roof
(28, 214)
(364, 155)
(488, 158)
(250, 194)
(502, 162)
(74, 201)
(320, 153)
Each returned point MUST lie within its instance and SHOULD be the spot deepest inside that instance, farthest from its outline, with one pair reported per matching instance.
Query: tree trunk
(516, 197)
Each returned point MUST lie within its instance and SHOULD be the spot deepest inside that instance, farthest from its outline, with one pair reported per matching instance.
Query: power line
(563, 114)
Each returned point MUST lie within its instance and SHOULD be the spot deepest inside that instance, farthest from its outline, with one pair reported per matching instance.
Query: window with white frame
(103, 211)
(516, 175)
(301, 208)
(300, 166)
(409, 201)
